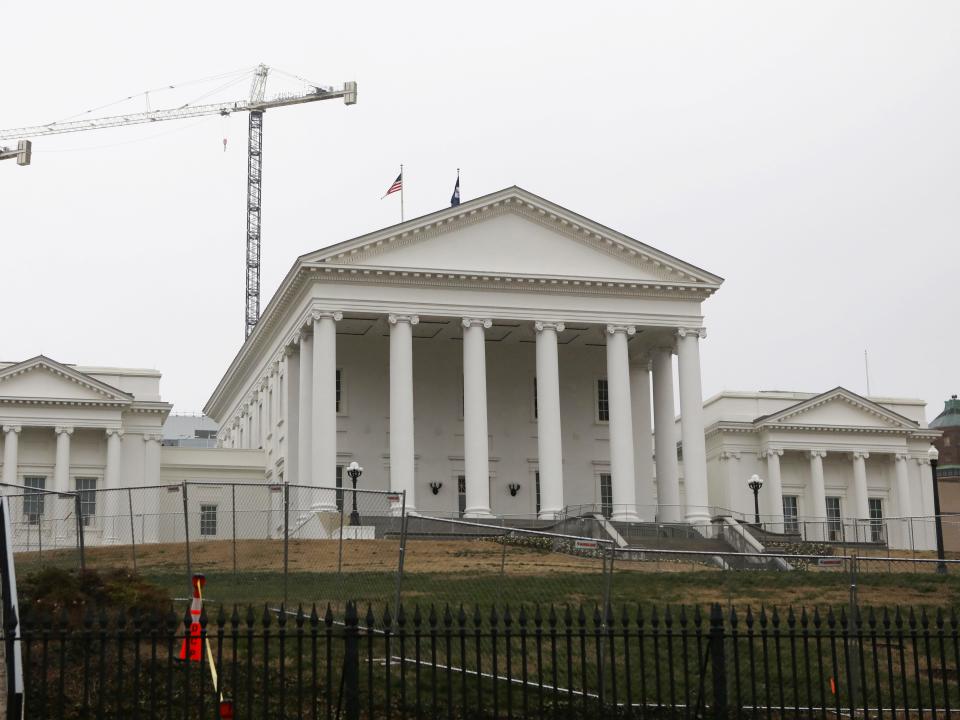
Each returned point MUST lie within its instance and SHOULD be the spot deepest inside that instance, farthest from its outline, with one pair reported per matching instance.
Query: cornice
(515, 282)
(73, 402)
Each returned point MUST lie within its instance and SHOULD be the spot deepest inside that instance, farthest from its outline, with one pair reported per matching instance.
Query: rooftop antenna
(866, 370)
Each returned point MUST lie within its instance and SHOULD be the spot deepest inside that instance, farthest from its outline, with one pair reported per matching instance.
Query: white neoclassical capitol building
(503, 357)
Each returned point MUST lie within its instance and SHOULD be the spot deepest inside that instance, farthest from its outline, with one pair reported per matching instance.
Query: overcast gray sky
(807, 152)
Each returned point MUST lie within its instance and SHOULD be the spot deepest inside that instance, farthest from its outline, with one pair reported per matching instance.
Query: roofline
(486, 200)
(763, 418)
(71, 368)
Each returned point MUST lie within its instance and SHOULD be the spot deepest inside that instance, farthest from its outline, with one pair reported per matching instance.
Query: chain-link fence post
(340, 541)
(133, 538)
(78, 507)
(403, 550)
(186, 529)
(233, 515)
(852, 625)
(286, 539)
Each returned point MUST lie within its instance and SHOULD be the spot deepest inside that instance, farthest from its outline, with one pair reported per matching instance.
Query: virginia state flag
(455, 198)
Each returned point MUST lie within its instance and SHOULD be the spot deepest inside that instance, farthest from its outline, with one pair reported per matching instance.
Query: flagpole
(401, 192)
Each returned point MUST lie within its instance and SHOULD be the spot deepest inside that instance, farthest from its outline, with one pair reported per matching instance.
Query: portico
(836, 466)
(507, 341)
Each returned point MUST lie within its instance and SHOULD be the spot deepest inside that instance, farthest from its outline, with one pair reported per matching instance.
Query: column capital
(922, 461)
(628, 330)
(264, 381)
(63, 430)
(860, 454)
(901, 457)
(469, 322)
(730, 455)
(334, 315)
(152, 437)
(113, 431)
(11, 428)
(816, 453)
(771, 452)
(393, 319)
(700, 332)
(556, 326)
(275, 367)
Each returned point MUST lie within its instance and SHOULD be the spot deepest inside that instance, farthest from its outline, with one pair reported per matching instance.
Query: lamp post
(755, 484)
(934, 455)
(354, 471)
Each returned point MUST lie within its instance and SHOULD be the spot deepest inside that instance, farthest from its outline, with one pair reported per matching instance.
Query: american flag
(397, 185)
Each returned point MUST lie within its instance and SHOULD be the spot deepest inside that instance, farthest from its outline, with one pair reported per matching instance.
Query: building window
(536, 483)
(606, 494)
(790, 524)
(339, 390)
(339, 486)
(603, 401)
(87, 487)
(208, 520)
(535, 408)
(461, 494)
(834, 523)
(875, 506)
(33, 499)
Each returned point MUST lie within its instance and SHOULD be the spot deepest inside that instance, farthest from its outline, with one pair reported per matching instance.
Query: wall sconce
(435, 487)
(513, 488)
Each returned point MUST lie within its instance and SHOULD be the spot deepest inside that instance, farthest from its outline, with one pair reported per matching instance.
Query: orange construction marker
(191, 649)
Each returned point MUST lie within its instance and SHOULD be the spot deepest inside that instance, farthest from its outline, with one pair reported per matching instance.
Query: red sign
(585, 545)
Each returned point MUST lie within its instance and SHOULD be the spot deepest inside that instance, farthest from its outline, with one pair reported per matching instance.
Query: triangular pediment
(514, 232)
(838, 408)
(43, 379)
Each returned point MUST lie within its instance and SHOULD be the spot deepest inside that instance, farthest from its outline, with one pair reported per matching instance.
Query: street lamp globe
(755, 483)
(933, 454)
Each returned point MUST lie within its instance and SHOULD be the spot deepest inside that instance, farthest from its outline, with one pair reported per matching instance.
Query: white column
(11, 436)
(549, 442)
(860, 511)
(323, 462)
(476, 449)
(924, 531)
(402, 448)
(290, 405)
(861, 508)
(904, 506)
(305, 410)
(734, 484)
(151, 474)
(113, 497)
(773, 490)
(818, 496)
(642, 437)
(61, 469)
(691, 425)
(664, 437)
(622, 467)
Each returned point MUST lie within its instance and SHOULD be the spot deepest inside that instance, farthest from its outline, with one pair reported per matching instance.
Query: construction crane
(256, 105)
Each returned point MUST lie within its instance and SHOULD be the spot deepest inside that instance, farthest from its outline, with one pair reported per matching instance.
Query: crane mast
(256, 105)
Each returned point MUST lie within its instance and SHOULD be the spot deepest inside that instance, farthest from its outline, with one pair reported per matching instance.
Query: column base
(550, 514)
(698, 518)
(481, 512)
(625, 516)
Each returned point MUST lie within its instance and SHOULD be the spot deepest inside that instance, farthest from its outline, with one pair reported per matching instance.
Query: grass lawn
(481, 572)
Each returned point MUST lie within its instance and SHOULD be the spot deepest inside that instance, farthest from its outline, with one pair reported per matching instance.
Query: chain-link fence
(267, 543)
(46, 527)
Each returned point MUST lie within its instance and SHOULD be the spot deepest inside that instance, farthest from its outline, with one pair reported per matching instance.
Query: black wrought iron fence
(492, 662)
